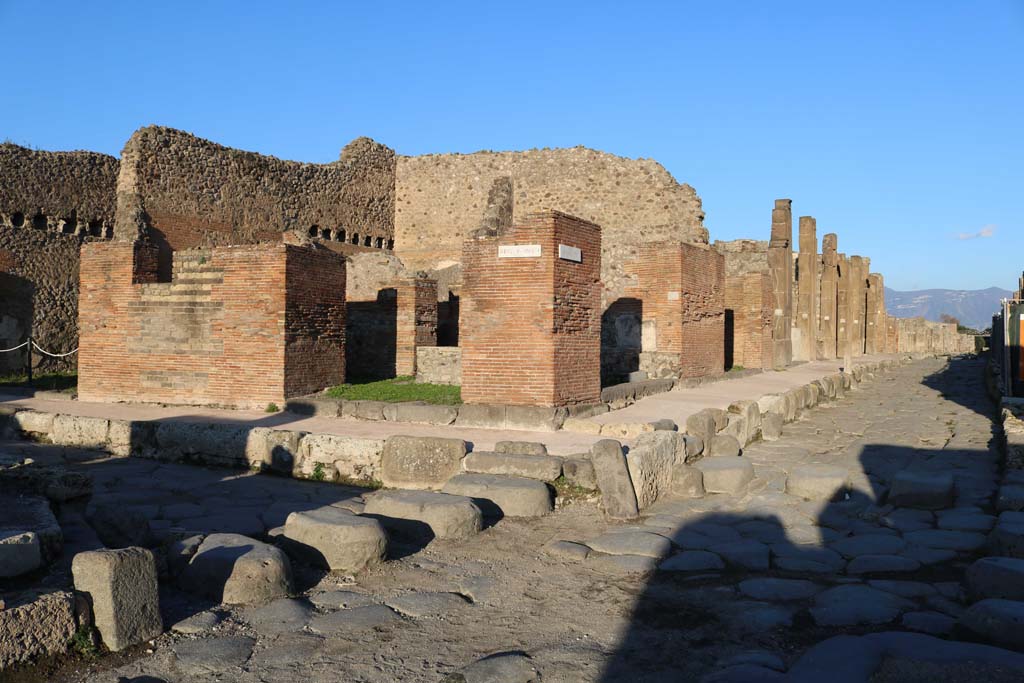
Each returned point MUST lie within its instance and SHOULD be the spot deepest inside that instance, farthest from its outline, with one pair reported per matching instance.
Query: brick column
(531, 313)
(416, 321)
(780, 269)
(682, 287)
(827, 317)
(749, 298)
(807, 272)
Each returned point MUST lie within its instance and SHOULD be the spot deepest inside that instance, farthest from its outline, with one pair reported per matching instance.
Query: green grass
(271, 408)
(398, 390)
(66, 382)
(736, 368)
(83, 643)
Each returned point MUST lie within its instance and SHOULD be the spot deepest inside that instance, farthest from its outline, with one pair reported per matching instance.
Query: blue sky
(898, 125)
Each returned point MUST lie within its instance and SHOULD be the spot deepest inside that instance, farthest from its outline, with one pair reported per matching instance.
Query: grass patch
(66, 382)
(736, 368)
(397, 390)
(271, 408)
(83, 643)
(318, 472)
(569, 492)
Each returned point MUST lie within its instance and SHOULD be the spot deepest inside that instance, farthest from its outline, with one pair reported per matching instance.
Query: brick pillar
(827, 317)
(807, 272)
(749, 299)
(416, 321)
(531, 313)
(780, 269)
(856, 293)
(682, 287)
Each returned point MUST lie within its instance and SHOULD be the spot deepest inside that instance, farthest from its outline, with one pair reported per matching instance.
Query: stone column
(876, 313)
(808, 288)
(843, 310)
(856, 293)
(780, 269)
(827, 319)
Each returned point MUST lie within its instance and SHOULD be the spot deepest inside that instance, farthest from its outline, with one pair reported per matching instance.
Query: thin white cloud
(986, 231)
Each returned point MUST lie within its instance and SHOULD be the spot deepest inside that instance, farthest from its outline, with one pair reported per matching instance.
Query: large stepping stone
(996, 577)
(940, 539)
(540, 467)
(122, 590)
(204, 658)
(421, 604)
(868, 544)
(999, 621)
(237, 570)
(425, 514)
(851, 605)
(747, 554)
(335, 539)
(776, 590)
(726, 474)
(280, 616)
(818, 482)
(879, 564)
(498, 496)
(921, 490)
(631, 543)
(503, 667)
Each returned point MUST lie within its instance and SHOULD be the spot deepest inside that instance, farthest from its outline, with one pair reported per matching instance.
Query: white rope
(54, 355)
(19, 346)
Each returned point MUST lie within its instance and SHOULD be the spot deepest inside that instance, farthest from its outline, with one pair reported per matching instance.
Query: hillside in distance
(973, 308)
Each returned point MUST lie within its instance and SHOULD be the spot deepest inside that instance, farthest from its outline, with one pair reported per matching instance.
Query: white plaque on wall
(519, 251)
(570, 253)
(673, 296)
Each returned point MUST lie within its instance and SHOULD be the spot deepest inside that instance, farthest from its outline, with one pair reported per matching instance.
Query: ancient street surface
(740, 584)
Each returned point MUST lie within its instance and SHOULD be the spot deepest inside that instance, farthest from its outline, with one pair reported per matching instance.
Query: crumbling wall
(917, 335)
(439, 199)
(50, 202)
(186, 192)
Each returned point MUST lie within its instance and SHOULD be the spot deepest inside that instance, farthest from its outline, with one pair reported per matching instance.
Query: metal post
(28, 351)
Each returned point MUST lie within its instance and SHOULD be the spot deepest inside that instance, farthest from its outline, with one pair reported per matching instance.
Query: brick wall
(416, 323)
(682, 287)
(237, 326)
(530, 327)
(748, 310)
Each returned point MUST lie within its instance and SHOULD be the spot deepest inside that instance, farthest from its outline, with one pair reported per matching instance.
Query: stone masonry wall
(439, 364)
(185, 192)
(439, 200)
(530, 332)
(50, 202)
(238, 326)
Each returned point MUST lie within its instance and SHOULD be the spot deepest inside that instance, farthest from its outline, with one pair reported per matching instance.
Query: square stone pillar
(875, 314)
(828, 297)
(415, 321)
(682, 289)
(807, 276)
(531, 313)
(856, 304)
(780, 269)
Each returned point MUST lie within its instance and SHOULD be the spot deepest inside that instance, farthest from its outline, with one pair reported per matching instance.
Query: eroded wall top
(185, 192)
(743, 256)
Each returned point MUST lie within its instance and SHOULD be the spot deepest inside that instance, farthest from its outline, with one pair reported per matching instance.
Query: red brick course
(416, 323)
(238, 326)
(748, 299)
(530, 327)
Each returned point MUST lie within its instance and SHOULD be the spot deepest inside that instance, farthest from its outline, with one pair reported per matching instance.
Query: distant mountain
(973, 308)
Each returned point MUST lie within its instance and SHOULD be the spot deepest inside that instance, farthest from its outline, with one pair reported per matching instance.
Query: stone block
(335, 539)
(420, 413)
(237, 570)
(34, 422)
(128, 437)
(521, 448)
(425, 514)
(626, 430)
(80, 432)
(541, 467)
(689, 448)
(996, 577)
(40, 628)
(818, 482)
(20, 553)
(720, 416)
(535, 418)
(314, 407)
(726, 474)
(701, 424)
(650, 463)
(210, 443)
(122, 588)
(579, 425)
(580, 471)
(751, 414)
(771, 427)
(617, 494)
(346, 457)
(771, 404)
(499, 496)
(29, 513)
(724, 445)
(921, 490)
(420, 462)
(687, 481)
(363, 410)
(276, 450)
(999, 621)
(481, 415)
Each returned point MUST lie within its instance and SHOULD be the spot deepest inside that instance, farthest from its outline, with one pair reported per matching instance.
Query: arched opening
(367, 241)
(380, 242)
(108, 233)
(39, 221)
(355, 238)
(340, 235)
(391, 244)
(96, 228)
(69, 226)
(325, 233)
(17, 219)
(314, 230)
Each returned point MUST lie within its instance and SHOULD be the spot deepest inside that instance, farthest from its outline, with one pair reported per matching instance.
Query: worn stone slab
(876, 564)
(566, 549)
(771, 427)
(996, 620)
(340, 457)
(726, 474)
(237, 570)
(618, 497)
(413, 462)
(504, 667)
(423, 604)
(484, 416)
(420, 413)
(961, 541)
(724, 445)
(747, 554)
(207, 657)
(521, 448)
(122, 589)
(921, 490)
(540, 467)
(935, 623)
(631, 543)
(818, 482)
(80, 432)
(996, 577)
(279, 616)
(425, 514)
(20, 552)
(850, 605)
(868, 544)
(535, 418)
(41, 627)
(335, 539)
(503, 496)
(623, 564)
(687, 481)
(692, 561)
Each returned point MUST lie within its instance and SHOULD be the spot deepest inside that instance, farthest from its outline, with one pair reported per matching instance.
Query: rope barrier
(19, 346)
(54, 355)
